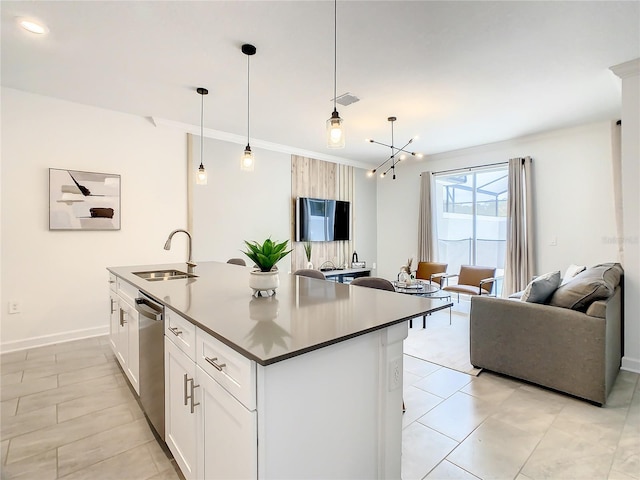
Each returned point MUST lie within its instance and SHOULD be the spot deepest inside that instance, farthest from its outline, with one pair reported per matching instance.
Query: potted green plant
(265, 255)
(307, 253)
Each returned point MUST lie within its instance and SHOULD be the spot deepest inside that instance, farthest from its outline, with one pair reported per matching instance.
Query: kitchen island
(304, 384)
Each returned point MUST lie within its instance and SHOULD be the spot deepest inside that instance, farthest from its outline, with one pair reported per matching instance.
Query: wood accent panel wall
(320, 179)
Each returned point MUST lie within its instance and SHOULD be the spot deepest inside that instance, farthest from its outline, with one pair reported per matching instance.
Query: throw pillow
(594, 283)
(541, 288)
(572, 271)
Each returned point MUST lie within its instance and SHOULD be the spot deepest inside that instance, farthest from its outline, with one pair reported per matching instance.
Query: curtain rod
(467, 169)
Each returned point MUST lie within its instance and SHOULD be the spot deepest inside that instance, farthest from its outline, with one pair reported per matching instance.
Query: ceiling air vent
(346, 99)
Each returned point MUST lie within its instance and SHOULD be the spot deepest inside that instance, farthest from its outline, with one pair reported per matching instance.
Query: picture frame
(80, 200)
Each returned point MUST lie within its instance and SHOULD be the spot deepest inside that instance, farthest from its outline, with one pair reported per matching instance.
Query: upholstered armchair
(429, 271)
(472, 280)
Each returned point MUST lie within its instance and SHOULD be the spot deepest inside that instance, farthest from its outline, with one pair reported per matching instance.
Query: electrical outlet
(14, 307)
(395, 374)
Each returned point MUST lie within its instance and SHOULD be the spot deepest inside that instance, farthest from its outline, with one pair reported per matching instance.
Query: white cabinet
(334, 412)
(123, 330)
(114, 320)
(180, 405)
(227, 433)
(211, 433)
(181, 332)
(130, 344)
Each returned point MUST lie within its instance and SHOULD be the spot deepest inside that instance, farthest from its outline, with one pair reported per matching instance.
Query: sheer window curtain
(519, 263)
(427, 223)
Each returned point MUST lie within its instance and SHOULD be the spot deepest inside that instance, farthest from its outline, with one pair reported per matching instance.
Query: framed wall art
(83, 200)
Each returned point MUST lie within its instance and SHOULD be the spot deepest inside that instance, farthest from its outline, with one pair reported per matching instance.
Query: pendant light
(201, 174)
(247, 161)
(335, 125)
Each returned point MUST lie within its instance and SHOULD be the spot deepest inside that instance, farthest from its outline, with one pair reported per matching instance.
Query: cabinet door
(227, 433)
(114, 320)
(122, 335)
(133, 349)
(180, 422)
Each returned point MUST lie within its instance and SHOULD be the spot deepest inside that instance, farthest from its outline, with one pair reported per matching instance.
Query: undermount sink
(158, 275)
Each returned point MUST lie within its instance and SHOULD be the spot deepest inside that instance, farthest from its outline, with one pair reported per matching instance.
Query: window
(471, 209)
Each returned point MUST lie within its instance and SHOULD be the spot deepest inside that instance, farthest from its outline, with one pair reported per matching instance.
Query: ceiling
(456, 73)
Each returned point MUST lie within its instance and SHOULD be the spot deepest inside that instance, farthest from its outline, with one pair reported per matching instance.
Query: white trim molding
(627, 69)
(630, 364)
(43, 340)
(242, 140)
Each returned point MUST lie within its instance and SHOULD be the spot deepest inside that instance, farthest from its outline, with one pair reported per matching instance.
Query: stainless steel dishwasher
(151, 340)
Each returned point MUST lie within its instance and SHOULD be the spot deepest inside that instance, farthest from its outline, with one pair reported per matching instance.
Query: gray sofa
(574, 348)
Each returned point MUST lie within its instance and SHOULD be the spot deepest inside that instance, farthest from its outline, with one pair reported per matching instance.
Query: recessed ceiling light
(33, 26)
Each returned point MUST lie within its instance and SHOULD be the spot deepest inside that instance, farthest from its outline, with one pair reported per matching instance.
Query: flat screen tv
(319, 220)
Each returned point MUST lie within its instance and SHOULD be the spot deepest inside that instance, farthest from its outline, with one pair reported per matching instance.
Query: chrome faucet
(167, 246)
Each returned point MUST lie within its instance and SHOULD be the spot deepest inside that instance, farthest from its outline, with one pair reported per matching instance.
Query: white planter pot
(264, 282)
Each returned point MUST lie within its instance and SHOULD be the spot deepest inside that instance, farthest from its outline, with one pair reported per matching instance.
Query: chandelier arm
(387, 170)
(379, 143)
(384, 162)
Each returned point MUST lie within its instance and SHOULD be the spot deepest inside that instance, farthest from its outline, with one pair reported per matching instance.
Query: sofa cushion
(595, 283)
(571, 271)
(541, 288)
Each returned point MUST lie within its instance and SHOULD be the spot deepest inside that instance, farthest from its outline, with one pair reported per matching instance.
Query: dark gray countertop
(304, 315)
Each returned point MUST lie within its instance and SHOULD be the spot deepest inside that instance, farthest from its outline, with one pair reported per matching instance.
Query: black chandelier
(397, 154)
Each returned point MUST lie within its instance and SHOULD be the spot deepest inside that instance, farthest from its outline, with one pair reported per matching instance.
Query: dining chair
(374, 282)
(237, 261)
(472, 280)
(310, 272)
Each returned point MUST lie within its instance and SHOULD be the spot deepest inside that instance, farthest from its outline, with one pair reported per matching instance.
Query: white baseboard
(43, 340)
(630, 364)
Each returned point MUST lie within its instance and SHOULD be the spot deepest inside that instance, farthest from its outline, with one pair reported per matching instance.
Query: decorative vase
(310, 265)
(404, 277)
(264, 282)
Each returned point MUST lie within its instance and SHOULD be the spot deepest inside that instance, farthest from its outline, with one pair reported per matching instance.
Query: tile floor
(68, 413)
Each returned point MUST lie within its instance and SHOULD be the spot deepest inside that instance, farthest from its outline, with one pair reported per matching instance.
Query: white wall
(365, 218)
(237, 205)
(630, 74)
(59, 277)
(573, 196)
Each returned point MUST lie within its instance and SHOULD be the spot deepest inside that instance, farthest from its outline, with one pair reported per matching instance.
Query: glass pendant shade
(246, 163)
(201, 176)
(335, 131)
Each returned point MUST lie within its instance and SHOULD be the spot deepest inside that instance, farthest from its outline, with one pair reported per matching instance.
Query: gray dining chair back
(237, 261)
(374, 282)
(310, 272)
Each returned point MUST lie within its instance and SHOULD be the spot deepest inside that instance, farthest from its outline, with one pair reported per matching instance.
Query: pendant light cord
(248, 99)
(201, 127)
(335, 52)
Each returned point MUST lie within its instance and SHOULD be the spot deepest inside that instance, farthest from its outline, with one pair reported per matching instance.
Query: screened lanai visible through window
(471, 209)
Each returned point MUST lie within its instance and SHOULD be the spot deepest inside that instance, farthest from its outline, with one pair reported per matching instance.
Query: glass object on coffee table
(424, 289)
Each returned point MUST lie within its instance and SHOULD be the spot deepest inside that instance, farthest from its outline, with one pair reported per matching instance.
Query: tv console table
(339, 275)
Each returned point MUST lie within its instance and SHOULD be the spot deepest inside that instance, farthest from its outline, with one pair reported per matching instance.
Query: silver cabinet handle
(112, 305)
(186, 397)
(212, 361)
(176, 332)
(122, 320)
(193, 387)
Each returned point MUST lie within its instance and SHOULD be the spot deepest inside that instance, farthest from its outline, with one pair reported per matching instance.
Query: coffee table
(425, 290)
